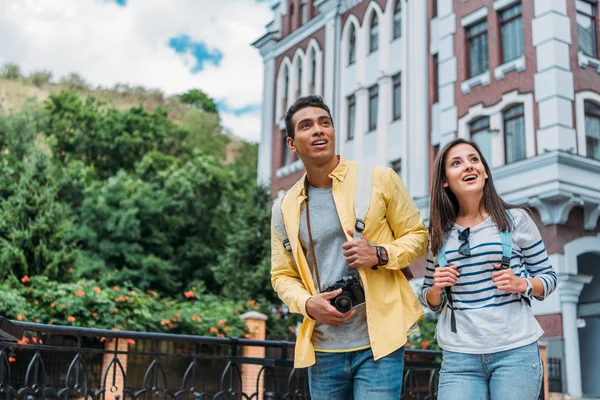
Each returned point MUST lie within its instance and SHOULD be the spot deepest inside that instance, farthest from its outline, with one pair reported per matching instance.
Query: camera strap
(312, 249)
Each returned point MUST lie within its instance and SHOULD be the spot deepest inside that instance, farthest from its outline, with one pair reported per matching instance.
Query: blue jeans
(507, 375)
(356, 375)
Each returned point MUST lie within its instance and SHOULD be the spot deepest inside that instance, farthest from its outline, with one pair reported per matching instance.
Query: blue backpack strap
(506, 239)
(443, 262)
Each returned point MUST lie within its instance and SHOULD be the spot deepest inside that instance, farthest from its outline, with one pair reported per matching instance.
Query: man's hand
(360, 253)
(320, 308)
(443, 278)
(505, 280)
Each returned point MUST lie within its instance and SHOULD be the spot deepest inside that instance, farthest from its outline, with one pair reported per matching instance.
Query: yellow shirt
(394, 222)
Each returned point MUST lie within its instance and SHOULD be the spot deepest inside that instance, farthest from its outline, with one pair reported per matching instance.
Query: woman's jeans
(356, 375)
(507, 375)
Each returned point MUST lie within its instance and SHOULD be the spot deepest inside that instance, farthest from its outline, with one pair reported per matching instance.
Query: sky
(171, 45)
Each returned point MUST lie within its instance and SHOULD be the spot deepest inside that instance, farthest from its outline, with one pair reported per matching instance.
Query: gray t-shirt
(489, 320)
(328, 238)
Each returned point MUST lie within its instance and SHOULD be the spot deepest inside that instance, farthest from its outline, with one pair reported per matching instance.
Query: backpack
(362, 200)
(506, 239)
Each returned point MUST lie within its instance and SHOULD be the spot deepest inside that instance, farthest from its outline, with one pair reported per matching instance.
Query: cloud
(173, 45)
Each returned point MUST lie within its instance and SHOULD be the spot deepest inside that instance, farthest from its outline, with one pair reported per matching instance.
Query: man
(359, 353)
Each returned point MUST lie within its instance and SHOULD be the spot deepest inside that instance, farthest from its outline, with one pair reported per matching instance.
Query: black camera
(352, 294)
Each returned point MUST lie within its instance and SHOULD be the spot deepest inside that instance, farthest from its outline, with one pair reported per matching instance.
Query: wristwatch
(382, 255)
(529, 290)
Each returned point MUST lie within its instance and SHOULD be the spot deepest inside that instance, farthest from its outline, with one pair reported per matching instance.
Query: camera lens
(343, 303)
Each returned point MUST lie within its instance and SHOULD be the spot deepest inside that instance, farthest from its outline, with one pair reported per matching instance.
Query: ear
(290, 144)
(445, 183)
(485, 174)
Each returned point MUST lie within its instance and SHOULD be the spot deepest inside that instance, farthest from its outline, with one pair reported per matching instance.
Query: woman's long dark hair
(444, 206)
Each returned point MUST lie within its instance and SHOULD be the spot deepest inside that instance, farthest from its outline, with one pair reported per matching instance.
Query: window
(299, 72)
(313, 72)
(477, 39)
(374, 34)
(396, 165)
(480, 134)
(592, 130)
(514, 134)
(373, 99)
(286, 88)
(511, 27)
(352, 46)
(397, 96)
(351, 116)
(586, 28)
(398, 19)
(436, 85)
(291, 16)
(303, 12)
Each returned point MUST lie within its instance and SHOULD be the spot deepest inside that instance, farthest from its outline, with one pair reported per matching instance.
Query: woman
(486, 328)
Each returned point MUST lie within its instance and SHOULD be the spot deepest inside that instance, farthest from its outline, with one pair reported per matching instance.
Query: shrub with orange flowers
(95, 304)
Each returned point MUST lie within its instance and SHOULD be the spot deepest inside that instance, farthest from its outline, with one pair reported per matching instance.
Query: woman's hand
(444, 277)
(505, 280)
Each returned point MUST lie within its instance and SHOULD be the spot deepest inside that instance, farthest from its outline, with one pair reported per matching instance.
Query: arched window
(398, 19)
(286, 87)
(592, 130)
(313, 72)
(480, 134)
(299, 72)
(374, 34)
(352, 45)
(514, 133)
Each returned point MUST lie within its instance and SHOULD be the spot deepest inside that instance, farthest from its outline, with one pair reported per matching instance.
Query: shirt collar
(338, 173)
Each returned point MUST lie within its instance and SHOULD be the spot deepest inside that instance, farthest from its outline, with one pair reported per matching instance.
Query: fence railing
(53, 362)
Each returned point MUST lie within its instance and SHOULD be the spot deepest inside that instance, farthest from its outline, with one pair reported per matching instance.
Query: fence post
(256, 324)
(544, 355)
(109, 347)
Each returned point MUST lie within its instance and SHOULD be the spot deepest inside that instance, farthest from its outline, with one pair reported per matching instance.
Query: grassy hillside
(14, 93)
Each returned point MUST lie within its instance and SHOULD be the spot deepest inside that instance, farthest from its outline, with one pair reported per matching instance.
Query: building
(521, 78)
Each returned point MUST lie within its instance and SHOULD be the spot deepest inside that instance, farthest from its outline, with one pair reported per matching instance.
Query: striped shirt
(489, 320)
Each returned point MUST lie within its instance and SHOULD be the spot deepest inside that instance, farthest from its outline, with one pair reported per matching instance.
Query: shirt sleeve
(535, 258)
(428, 282)
(407, 224)
(285, 278)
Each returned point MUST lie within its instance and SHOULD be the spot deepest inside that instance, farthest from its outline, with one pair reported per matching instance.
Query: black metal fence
(554, 375)
(68, 362)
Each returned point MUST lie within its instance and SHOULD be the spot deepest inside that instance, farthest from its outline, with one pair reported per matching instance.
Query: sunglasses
(464, 249)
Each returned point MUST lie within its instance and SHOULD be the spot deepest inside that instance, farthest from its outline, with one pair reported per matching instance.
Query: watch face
(382, 255)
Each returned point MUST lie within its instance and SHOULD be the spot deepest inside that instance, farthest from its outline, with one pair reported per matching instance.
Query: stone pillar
(119, 380)
(383, 119)
(418, 107)
(256, 323)
(569, 289)
(544, 355)
(554, 91)
(265, 147)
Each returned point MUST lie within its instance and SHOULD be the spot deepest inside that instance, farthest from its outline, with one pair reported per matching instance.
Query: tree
(108, 139)
(243, 268)
(40, 78)
(10, 71)
(74, 81)
(35, 227)
(197, 98)
(205, 133)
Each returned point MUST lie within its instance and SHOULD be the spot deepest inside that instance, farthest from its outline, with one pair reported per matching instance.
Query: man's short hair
(303, 102)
